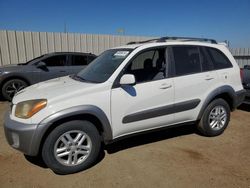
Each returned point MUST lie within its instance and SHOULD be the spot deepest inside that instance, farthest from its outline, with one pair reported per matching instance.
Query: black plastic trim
(49, 121)
(161, 111)
(151, 131)
(236, 101)
(240, 96)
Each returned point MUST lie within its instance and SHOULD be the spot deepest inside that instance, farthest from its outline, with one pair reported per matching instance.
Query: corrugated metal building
(18, 46)
(241, 55)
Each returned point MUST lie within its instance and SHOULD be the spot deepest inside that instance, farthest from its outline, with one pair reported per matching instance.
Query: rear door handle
(209, 78)
(165, 86)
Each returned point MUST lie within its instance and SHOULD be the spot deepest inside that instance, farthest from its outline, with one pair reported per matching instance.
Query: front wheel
(215, 118)
(72, 147)
(11, 87)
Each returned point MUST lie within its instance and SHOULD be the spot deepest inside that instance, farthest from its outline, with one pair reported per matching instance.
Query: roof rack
(164, 39)
(141, 42)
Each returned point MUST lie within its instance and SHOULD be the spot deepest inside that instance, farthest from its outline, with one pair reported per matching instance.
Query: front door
(77, 63)
(56, 66)
(149, 103)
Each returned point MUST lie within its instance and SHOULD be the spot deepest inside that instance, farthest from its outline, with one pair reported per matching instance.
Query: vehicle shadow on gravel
(244, 107)
(131, 142)
(151, 137)
(38, 161)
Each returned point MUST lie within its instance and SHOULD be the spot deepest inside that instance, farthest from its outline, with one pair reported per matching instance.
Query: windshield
(103, 66)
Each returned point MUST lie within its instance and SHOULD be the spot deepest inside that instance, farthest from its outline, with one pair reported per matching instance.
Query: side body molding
(45, 124)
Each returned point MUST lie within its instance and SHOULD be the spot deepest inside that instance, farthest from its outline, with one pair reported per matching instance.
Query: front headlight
(27, 109)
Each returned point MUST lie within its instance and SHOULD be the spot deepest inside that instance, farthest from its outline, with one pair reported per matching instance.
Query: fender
(46, 123)
(220, 90)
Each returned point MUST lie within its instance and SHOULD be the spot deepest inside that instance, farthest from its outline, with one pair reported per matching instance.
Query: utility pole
(65, 27)
(227, 42)
(121, 31)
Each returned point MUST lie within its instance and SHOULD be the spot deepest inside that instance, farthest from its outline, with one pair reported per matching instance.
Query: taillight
(241, 74)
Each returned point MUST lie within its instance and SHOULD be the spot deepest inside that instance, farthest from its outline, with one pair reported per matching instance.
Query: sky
(218, 19)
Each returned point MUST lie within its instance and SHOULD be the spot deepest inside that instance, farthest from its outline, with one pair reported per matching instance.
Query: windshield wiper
(79, 78)
(76, 77)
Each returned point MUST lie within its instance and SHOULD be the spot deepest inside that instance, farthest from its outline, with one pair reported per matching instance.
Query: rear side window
(206, 61)
(79, 60)
(187, 60)
(220, 61)
(58, 60)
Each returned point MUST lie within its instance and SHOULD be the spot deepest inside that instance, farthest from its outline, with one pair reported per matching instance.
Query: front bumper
(247, 97)
(19, 135)
(240, 96)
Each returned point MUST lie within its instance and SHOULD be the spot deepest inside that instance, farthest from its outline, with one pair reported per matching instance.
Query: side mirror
(41, 65)
(127, 79)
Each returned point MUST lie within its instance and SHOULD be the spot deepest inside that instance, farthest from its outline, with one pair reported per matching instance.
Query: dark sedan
(245, 73)
(13, 78)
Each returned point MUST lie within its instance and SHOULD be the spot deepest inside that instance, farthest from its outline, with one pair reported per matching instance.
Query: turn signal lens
(27, 109)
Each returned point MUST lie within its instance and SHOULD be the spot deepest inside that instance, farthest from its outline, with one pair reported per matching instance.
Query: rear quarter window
(220, 61)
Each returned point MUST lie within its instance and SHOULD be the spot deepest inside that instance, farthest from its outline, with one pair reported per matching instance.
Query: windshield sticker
(121, 53)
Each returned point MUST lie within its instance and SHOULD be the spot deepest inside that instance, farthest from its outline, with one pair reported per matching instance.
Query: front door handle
(165, 86)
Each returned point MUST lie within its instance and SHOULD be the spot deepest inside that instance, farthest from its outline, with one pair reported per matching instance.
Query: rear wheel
(215, 118)
(11, 87)
(72, 147)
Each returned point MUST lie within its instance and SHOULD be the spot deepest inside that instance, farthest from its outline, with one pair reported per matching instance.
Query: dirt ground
(177, 157)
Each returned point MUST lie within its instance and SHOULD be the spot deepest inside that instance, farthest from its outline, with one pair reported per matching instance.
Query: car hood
(56, 89)
(11, 68)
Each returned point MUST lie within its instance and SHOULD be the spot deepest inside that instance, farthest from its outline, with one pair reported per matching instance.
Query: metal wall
(19, 47)
(241, 55)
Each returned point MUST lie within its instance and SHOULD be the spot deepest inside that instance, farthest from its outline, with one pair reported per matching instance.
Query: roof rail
(164, 39)
(141, 42)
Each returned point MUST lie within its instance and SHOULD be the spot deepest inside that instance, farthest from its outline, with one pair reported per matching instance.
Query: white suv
(130, 89)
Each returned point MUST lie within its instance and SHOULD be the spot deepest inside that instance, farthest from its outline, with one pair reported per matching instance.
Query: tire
(215, 118)
(11, 87)
(59, 138)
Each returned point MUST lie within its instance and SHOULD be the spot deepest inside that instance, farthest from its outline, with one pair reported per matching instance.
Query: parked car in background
(245, 73)
(13, 78)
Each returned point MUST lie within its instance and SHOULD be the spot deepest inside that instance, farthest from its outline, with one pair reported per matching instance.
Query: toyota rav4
(131, 89)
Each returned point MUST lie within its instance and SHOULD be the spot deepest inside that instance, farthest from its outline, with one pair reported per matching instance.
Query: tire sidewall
(49, 144)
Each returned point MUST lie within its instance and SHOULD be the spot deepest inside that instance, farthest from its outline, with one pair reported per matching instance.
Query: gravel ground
(177, 157)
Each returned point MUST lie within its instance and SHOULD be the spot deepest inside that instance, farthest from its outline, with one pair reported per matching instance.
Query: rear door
(194, 79)
(56, 66)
